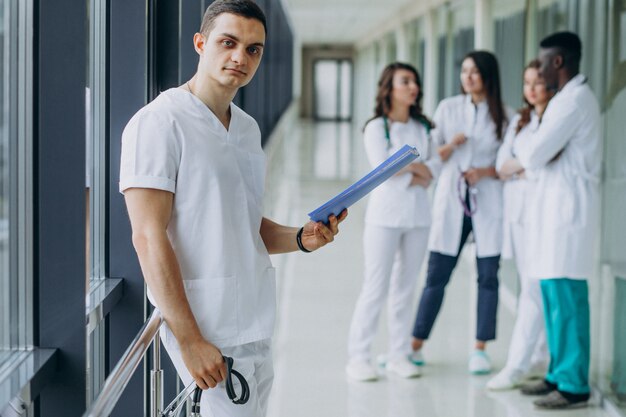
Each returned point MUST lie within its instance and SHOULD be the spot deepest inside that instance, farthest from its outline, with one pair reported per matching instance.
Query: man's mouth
(235, 70)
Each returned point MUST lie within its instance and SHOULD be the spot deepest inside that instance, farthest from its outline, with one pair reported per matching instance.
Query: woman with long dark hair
(468, 198)
(528, 350)
(396, 224)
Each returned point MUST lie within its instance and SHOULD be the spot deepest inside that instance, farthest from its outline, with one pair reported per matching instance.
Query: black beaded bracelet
(299, 241)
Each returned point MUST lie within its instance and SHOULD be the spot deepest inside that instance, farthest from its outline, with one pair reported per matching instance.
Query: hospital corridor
(317, 294)
(174, 182)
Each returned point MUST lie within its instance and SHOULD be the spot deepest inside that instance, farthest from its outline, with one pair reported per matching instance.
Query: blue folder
(362, 187)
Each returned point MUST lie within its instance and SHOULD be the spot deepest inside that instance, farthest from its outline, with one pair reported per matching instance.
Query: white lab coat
(514, 190)
(528, 341)
(459, 115)
(395, 203)
(563, 206)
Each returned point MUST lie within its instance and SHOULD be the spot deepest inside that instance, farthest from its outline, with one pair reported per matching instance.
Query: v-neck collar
(208, 113)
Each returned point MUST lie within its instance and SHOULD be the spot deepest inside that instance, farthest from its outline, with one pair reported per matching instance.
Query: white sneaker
(479, 363)
(381, 360)
(361, 371)
(505, 380)
(417, 358)
(403, 368)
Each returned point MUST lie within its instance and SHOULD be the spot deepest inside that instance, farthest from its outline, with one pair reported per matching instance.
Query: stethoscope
(469, 206)
(195, 392)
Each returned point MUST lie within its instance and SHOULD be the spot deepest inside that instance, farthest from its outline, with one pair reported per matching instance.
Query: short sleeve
(151, 154)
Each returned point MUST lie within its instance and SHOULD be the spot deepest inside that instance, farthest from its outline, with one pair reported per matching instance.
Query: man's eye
(253, 50)
(227, 42)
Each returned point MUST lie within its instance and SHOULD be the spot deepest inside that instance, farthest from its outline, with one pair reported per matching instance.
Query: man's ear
(199, 42)
(558, 61)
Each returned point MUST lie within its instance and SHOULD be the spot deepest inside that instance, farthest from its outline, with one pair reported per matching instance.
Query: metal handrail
(120, 376)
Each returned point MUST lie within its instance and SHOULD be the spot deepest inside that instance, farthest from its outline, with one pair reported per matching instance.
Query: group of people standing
(524, 184)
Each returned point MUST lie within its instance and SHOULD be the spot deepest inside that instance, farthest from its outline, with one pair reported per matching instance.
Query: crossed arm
(150, 211)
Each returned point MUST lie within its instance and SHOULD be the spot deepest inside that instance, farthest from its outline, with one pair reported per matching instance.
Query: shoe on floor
(556, 400)
(505, 380)
(403, 368)
(542, 387)
(361, 371)
(537, 370)
(417, 357)
(479, 363)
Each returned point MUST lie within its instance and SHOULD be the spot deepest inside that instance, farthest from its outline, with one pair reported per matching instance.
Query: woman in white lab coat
(397, 222)
(528, 348)
(468, 198)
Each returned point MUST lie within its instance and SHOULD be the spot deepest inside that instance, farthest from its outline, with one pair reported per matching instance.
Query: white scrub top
(563, 208)
(177, 144)
(514, 189)
(395, 203)
(459, 115)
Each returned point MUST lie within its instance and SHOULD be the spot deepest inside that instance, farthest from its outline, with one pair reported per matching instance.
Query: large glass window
(614, 202)
(95, 141)
(95, 183)
(417, 45)
(5, 186)
(15, 178)
(509, 29)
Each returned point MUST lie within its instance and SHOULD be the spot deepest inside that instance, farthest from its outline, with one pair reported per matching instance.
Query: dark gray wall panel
(59, 199)
(127, 94)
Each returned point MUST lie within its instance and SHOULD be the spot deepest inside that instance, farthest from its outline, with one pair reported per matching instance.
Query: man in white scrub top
(192, 172)
(565, 154)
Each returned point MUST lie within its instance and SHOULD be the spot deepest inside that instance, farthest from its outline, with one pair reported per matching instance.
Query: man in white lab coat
(565, 158)
(192, 173)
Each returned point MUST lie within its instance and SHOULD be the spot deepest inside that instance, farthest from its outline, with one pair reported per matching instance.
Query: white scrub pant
(528, 342)
(252, 360)
(393, 257)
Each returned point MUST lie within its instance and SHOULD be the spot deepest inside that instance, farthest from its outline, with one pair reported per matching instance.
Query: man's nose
(238, 56)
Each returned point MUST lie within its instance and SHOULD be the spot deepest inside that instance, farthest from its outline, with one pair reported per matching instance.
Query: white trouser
(528, 342)
(386, 277)
(252, 360)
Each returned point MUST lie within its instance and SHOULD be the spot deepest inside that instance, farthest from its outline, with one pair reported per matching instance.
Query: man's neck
(216, 97)
(564, 78)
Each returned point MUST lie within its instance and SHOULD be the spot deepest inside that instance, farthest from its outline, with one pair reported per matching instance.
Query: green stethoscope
(388, 138)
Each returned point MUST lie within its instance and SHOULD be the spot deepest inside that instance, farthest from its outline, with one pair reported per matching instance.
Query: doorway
(332, 89)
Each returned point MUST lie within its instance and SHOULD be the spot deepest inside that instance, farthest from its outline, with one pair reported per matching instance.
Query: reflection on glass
(332, 150)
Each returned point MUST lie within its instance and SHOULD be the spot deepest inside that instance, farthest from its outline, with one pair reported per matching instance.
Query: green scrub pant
(566, 310)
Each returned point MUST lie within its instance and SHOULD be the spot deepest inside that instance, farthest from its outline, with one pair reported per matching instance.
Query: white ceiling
(340, 21)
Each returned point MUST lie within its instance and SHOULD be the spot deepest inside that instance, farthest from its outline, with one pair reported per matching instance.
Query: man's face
(232, 51)
(549, 68)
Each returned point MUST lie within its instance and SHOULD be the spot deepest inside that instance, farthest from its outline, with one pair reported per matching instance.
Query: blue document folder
(362, 187)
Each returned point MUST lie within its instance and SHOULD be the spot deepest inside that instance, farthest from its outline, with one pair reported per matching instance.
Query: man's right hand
(204, 362)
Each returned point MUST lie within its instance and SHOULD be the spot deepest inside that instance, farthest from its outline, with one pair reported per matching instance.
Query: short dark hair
(245, 8)
(569, 47)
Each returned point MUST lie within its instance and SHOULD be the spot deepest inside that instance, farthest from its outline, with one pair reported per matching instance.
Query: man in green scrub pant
(564, 156)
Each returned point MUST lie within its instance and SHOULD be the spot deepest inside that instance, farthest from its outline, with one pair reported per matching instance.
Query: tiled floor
(317, 293)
